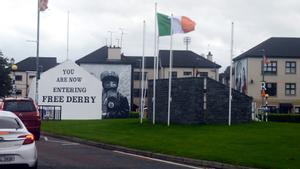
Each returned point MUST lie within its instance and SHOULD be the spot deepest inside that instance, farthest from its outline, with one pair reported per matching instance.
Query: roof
(100, 56)
(137, 60)
(8, 114)
(29, 64)
(181, 58)
(276, 47)
(185, 58)
(97, 56)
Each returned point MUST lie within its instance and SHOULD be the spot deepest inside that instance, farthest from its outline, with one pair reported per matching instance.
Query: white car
(17, 145)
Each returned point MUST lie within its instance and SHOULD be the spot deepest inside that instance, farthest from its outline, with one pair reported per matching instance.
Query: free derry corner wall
(198, 100)
(71, 87)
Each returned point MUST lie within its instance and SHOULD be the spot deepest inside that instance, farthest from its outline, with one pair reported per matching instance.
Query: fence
(50, 112)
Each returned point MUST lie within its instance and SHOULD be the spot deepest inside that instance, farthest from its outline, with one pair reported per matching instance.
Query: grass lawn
(262, 145)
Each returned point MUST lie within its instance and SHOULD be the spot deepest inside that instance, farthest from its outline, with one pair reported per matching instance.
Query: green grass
(262, 145)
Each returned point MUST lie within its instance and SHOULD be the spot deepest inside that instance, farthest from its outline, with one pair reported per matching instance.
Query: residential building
(224, 77)
(26, 71)
(278, 73)
(185, 64)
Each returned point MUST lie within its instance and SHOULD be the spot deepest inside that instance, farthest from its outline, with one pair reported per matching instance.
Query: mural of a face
(114, 104)
(241, 76)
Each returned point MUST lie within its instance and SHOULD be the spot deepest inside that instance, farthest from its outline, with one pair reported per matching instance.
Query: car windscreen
(19, 106)
(9, 123)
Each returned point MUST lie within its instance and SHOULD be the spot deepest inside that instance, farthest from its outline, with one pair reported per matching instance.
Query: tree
(5, 79)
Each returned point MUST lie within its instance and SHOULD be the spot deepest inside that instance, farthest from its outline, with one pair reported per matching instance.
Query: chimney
(209, 56)
(114, 53)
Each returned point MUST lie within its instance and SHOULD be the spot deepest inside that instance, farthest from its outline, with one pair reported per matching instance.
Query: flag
(180, 24)
(43, 5)
(266, 60)
(164, 25)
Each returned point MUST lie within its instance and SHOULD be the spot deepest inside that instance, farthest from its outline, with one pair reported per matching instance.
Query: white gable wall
(72, 87)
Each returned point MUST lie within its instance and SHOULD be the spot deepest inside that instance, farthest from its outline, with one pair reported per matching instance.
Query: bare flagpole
(170, 71)
(68, 31)
(230, 79)
(155, 70)
(143, 72)
(37, 54)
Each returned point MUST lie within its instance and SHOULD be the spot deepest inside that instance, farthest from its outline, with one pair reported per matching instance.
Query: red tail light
(3, 132)
(29, 138)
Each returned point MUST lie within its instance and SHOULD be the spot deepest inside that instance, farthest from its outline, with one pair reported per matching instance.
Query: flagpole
(143, 72)
(154, 66)
(37, 54)
(230, 79)
(170, 71)
(68, 31)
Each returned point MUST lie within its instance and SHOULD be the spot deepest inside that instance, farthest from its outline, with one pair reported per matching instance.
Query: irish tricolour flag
(180, 24)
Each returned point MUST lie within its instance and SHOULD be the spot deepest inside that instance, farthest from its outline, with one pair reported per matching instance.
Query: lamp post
(14, 67)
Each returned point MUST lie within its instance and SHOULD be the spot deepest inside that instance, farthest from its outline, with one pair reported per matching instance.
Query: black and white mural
(241, 76)
(116, 88)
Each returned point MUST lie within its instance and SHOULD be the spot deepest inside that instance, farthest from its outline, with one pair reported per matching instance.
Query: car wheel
(35, 165)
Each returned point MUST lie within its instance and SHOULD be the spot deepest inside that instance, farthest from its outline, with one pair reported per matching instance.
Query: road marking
(70, 144)
(63, 143)
(163, 161)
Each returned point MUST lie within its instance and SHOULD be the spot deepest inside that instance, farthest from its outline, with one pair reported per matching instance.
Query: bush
(284, 118)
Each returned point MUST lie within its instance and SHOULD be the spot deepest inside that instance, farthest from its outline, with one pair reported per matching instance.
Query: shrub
(284, 118)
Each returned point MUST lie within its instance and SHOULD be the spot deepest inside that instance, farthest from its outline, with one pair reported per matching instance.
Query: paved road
(60, 154)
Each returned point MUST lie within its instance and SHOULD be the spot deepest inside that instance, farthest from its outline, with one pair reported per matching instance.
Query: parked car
(26, 110)
(17, 144)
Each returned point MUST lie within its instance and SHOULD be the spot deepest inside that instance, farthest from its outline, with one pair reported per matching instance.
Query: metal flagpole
(143, 72)
(155, 58)
(68, 35)
(170, 71)
(37, 55)
(230, 81)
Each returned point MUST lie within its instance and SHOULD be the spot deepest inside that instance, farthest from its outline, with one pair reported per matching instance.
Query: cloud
(90, 21)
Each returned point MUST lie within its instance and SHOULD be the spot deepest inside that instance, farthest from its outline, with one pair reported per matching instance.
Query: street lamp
(14, 67)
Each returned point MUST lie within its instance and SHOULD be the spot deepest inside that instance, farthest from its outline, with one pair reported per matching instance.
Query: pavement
(56, 151)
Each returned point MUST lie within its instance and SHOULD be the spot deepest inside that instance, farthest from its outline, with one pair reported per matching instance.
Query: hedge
(284, 118)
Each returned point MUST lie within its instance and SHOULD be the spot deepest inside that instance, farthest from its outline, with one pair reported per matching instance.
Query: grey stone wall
(198, 101)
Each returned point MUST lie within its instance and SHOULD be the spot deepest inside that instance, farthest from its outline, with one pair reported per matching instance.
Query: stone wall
(198, 100)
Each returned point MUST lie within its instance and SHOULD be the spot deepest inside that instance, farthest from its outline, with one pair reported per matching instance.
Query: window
(187, 73)
(138, 75)
(18, 77)
(19, 92)
(290, 89)
(31, 76)
(137, 92)
(202, 74)
(271, 89)
(9, 123)
(290, 67)
(270, 68)
(174, 74)
(19, 106)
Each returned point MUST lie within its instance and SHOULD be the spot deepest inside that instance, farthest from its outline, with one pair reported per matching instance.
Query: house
(129, 68)
(26, 71)
(273, 65)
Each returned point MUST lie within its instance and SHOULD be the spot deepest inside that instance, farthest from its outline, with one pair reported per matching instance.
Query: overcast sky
(90, 21)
